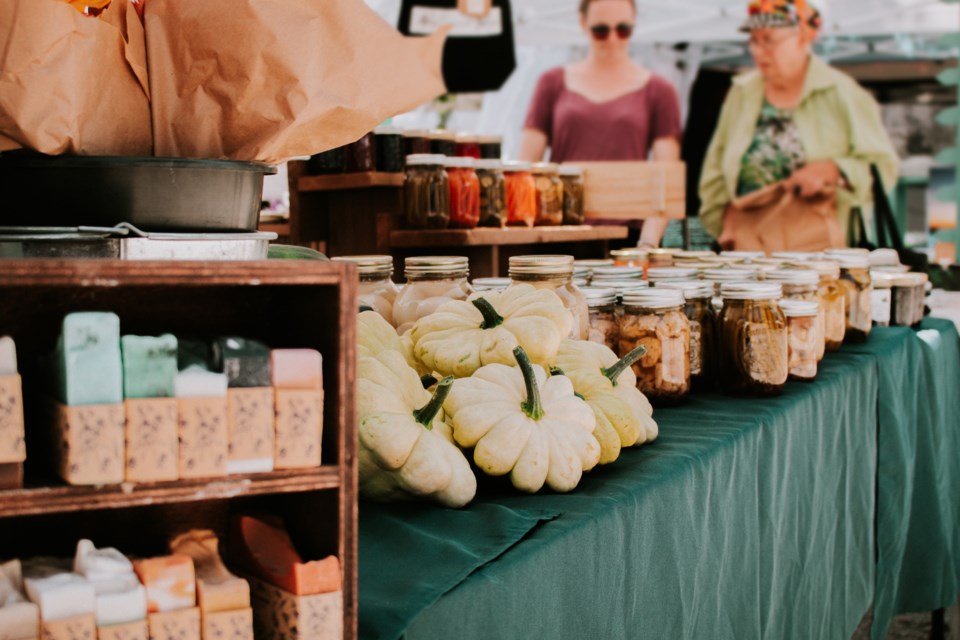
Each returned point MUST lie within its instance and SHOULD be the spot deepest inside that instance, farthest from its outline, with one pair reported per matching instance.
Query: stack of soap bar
(121, 599)
(89, 426)
(223, 598)
(149, 373)
(13, 450)
(298, 385)
(203, 431)
(250, 410)
(19, 619)
(67, 601)
(171, 588)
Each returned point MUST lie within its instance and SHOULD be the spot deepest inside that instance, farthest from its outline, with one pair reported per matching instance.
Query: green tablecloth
(747, 518)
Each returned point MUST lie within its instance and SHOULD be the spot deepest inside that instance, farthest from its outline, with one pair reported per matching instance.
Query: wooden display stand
(362, 214)
(285, 304)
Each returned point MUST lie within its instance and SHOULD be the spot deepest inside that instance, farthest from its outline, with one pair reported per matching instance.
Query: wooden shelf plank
(64, 499)
(345, 181)
(509, 236)
(282, 229)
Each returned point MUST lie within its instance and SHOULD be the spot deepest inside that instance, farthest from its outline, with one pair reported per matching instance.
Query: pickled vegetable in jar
(467, 146)
(804, 284)
(658, 275)
(604, 322)
(464, 193)
(833, 303)
(549, 194)
(572, 178)
(858, 291)
(753, 349)
(909, 299)
(521, 194)
(491, 147)
(427, 192)
(415, 142)
(431, 282)
(556, 274)
(703, 328)
(630, 257)
(802, 338)
(654, 319)
(388, 144)
(443, 142)
(359, 156)
(493, 193)
(377, 290)
(882, 298)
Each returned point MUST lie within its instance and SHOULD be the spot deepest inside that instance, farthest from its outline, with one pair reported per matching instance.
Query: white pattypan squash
(518, 422)
(462, 336)
(405, 445)
(375, 335)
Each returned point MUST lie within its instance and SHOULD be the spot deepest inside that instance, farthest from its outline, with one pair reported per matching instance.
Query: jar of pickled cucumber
(549, 188)
(753, 351)
(655, 320)
(703, 328)
(604, 322)
(431, 282)
(427, 192)
(554, 273)
(803, 284)
(377, 290)
(493, 193)
(833, 302)
(858, 291)
(573, 211)
(802, 338)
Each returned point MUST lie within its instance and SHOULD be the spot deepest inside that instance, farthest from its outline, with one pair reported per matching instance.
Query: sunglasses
(602, 31)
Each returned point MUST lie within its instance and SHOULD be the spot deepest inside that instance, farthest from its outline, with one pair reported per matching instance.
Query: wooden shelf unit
(285, 304)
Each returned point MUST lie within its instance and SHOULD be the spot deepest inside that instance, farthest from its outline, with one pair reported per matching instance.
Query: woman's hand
(813, 179)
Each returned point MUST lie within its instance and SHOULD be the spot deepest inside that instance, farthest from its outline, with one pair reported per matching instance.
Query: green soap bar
(245, 362)
(193, 353)
(149, 366)
(87, 364)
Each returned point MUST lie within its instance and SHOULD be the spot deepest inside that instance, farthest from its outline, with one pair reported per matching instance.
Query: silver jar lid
(515, 166)
(545, 168)
(729, 274)
(849, 251)
(571, 170)
(491, 284)
(884, 258)
(797, 256)
(442, 134)
(592, 264)
(692, 289)
(799, 277)
(618, 273)
(599, 296)
(829, 268)
(800, 308)
(751, 291)
(882, 280)
(852, 260)
(369, 265)
(425, 159)
(664, 274)
(541, 265)
(427, 265)
(743, 255)
(488, 165)
(632, 254)
(654, 298)
(459, 162)
(387, 130)
(910, 280)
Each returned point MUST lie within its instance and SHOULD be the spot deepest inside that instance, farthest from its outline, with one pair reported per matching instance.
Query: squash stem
(532, 406)
(429, 411)
(491, 319)
(612, 373)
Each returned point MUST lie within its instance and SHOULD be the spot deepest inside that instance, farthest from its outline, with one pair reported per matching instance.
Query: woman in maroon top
(606, 107)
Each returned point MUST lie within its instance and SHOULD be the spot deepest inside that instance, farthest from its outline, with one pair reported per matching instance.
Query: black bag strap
(888, 231)
(857, 230)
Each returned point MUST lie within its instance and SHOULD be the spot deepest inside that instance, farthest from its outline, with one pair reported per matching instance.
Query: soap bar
(152, 432)
(183, 624)
(296, 369)
(264, 550)
(90, 443)
(19, 619)
(120, 596)
(149, 366)
(246, 363)
(70, 629)
(170, 582)
(13, 447)
(299, 429)
(88, 367)
(197, 382)
(8, 356)
(279, 615)
(231, 625)
(204, 437)
(217, 588)
(60, 593)
(251, 422)
(130, 631)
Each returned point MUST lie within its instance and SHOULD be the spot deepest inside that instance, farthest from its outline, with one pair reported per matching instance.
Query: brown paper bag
(272, 79)
(775, 219)
(72, 83)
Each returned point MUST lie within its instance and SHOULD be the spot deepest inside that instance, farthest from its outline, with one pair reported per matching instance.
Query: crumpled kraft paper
(70, 83)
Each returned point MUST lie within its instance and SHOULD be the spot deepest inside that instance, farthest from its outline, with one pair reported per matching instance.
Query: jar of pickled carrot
(464, 193)
(521, 194)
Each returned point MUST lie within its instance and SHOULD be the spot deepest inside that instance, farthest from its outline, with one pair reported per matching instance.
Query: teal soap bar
(87, 363)
(149, 366)
(246, 363)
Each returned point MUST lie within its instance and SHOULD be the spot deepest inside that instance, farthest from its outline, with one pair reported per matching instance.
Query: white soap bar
(8, 356)
(197, 382)
(120, 596)
(59, 592)
(18, 618)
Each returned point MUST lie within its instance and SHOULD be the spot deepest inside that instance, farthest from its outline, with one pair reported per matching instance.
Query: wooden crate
(634, 190)
(285, 304)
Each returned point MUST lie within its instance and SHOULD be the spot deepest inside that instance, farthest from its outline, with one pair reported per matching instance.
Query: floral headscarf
(767, 14)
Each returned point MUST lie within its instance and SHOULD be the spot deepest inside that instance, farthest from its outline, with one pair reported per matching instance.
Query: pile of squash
(495, 379)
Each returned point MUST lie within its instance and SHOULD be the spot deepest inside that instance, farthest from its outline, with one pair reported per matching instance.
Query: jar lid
(751, 291)
(884, 258)
(850, 251)
(662, 274)
(654, 298)
(795, 276)
(386, 130)
(485, 139)
(694, 255)
(882, 280)
(415, 133)
(900, 268)
(743, 255)
(467, 137)
(436, 264)
(369, 264)
(424, 159)
(441, 134)
(458, 162)
(548, 168)
(570, 170)
(852, 260)
(760, 263)
(630, 254)
(541, 265)
(910, 280)
(592, 264)
(800, 308)
(610, 272)
(830, 268)
(692, 289)
(516, 165)
(599, 296)
(491, 284)
(623, 286)
(488, 165)
(729, 274)
(797, 256)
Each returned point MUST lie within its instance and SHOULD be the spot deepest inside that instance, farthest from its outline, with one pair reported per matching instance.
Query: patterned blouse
(776, 152)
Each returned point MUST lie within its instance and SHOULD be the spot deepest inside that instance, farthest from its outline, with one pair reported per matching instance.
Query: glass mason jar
(659, 275)
(728, 275)
(630, 257)
(464, 193)
(493, 193)
(554, 273)
(467, 146)
(804, 284)
(549, 194)
(377, 289)
(431, 282)
(491, 284)
(858, 291)
(833, 302)
(909, 299)
(881, 302)
(491, 147)
(415, 142)
(802, 338)
(326, 163)
(661, 257)
(521, 194)
(359, 156)
(427, 192)
(753, 340)
(604, 322)
(388, 145)
(443, 142)
(586, 267)
(654, 319)
(703, 328)
(572, 177)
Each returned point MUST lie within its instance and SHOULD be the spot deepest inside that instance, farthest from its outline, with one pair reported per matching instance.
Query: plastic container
(804, 284)
(604, 321)
(443, 142)
(360, 156)
(491, 147)
(521, 194)
(909, 299)
(431, 282)
(753, 340)
(464, 193)
(882, 298)
(655, 320)
(493, 193)
(802, 338)
(467, 146)
(573, 185)
(377, 290)
(556, 274)
(549, 187)
(427, 192)
(858, 291)
(388, 145)
(703, 329)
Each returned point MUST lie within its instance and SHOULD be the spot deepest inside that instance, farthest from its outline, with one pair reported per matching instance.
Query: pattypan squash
(519, 422)
(406, 448)
(375, 335)
(462, 336)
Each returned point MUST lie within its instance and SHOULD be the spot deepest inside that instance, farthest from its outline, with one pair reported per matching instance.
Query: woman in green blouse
(795, 119)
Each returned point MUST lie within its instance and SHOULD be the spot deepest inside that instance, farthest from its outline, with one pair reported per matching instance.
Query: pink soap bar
(296, 369)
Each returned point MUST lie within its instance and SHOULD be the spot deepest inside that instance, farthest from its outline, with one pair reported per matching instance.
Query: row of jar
(462, 193)
(386, 148)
